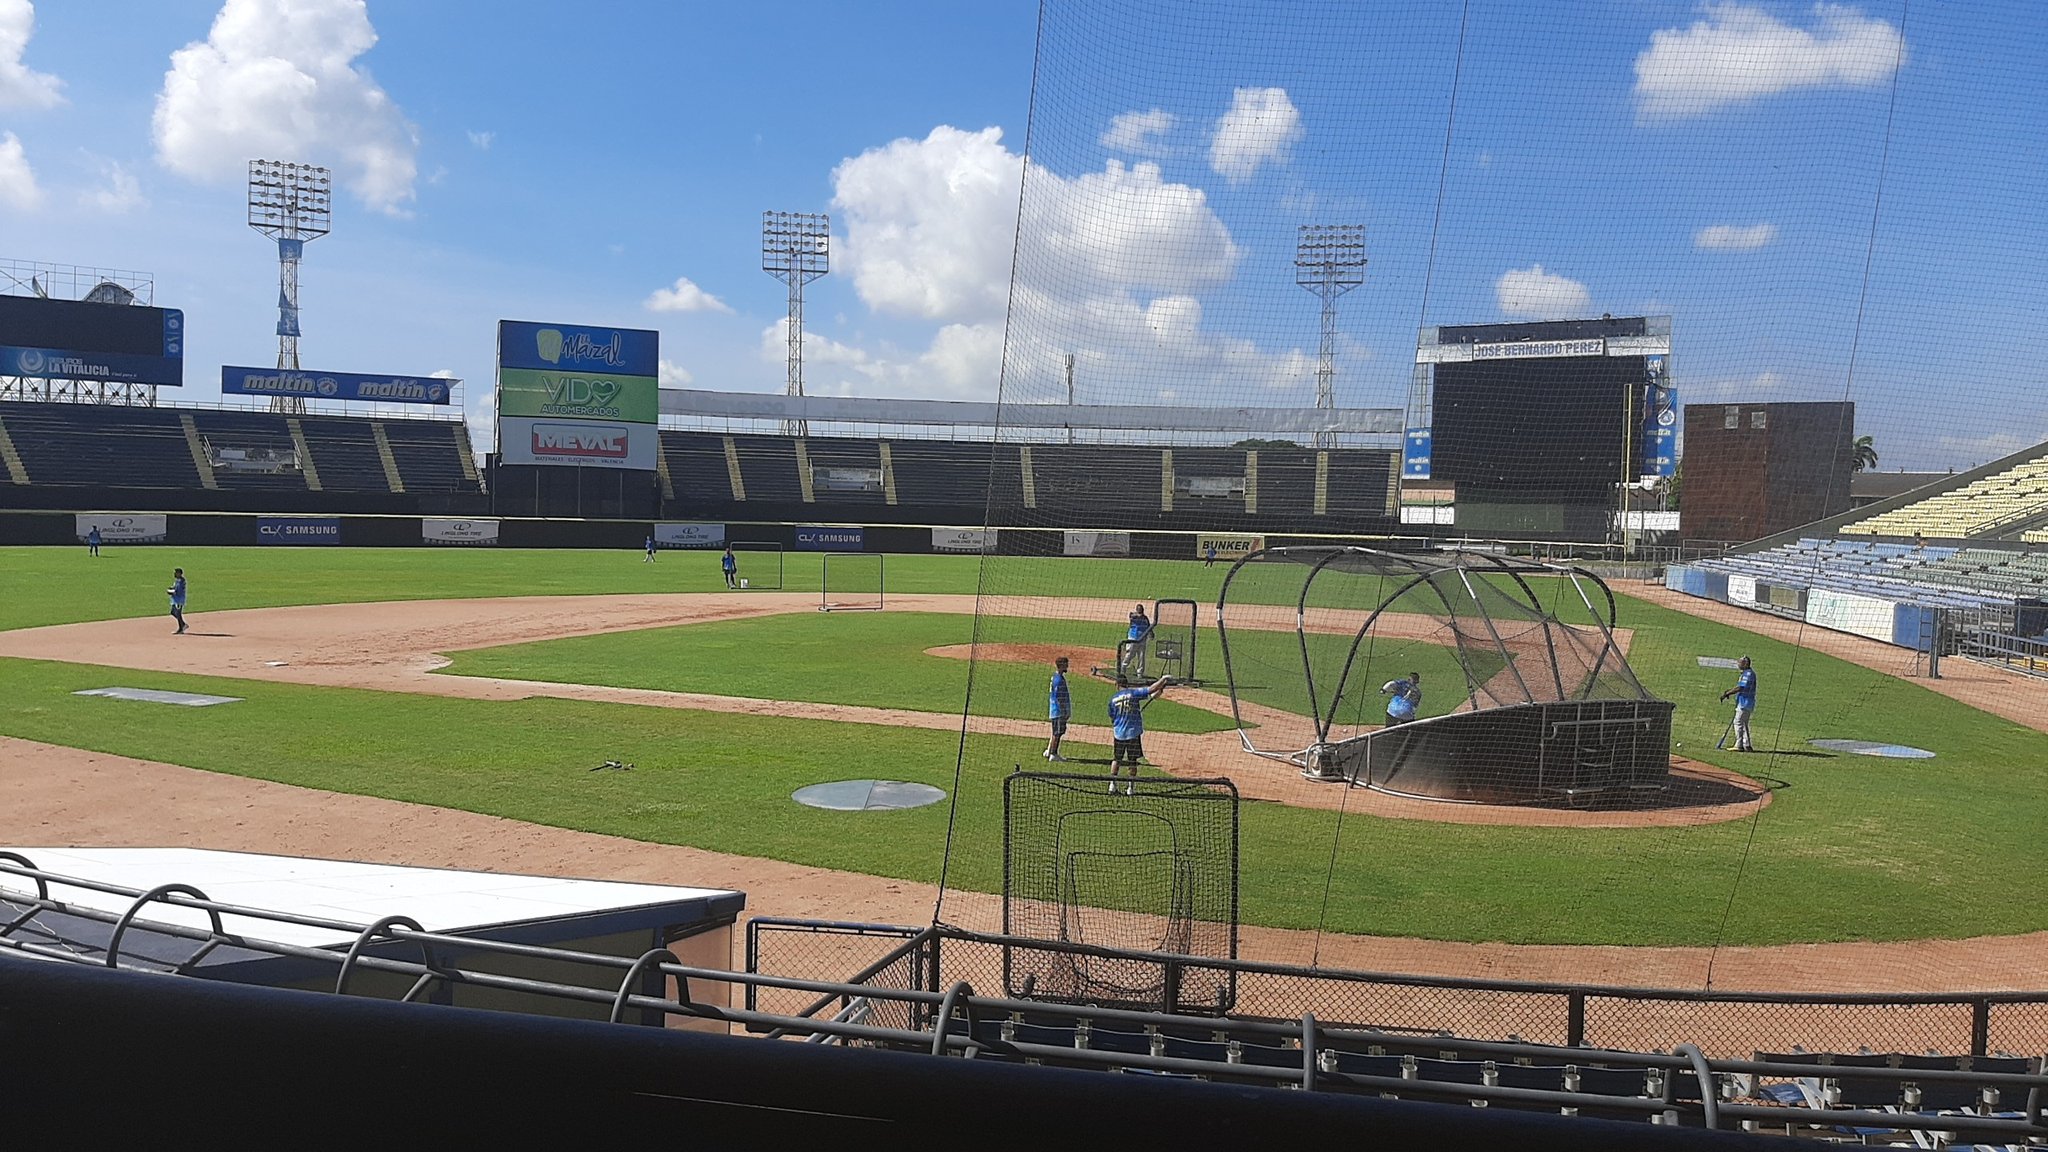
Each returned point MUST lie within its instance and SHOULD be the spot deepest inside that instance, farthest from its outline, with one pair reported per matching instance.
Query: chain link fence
(1724, 1025)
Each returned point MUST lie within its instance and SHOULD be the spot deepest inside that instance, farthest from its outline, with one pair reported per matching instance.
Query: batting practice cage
(1523, 700)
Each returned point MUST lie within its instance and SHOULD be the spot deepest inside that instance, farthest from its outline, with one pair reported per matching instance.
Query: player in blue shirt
(92, 541)
(1404, 698)
(1745, 703)
(177, 594)
(1059, 709)
(730, 567)
(1140, 631)
(650, 549)
(1127, 726)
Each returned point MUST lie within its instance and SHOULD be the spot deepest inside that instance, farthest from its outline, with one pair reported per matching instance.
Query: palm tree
(1864, 456)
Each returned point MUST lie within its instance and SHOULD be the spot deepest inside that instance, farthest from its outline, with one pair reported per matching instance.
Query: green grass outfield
(1853, 847)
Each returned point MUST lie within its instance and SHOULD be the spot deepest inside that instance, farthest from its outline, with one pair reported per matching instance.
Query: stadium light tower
(796, 248)
(1329, 261)
(291, 204)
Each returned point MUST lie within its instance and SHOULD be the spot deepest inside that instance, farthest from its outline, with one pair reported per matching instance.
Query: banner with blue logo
(298, 529)
(334, 385)
(578, 348)
(1660, 426)
(1415, 454)
(811, 538)
(112, 367)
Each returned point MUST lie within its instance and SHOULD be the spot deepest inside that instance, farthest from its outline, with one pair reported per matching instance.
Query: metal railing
(909, 997)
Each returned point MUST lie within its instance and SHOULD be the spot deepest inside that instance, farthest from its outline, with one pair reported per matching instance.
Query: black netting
(1149, 870)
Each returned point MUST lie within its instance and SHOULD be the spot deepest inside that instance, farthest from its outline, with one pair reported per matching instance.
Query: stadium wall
(238, 529)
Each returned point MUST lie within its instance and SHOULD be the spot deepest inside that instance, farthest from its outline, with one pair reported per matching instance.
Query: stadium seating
(345, 454)
(696, 467)
(957, 481)
(1980, 506)
(940, 473)
(101, 445)
(260, 440)
(846, 471)
(768, 468)
(123, 446)
(428, 454)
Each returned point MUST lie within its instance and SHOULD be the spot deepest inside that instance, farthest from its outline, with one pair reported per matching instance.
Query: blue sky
(571, 162)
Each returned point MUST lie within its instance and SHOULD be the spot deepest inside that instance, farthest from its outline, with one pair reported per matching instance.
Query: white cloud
(17, 180)
(670, 374)
(120, 194)
(1261, 126)
(962, 360)
(930, 223)
(1734, 237)
(481, 141)
(684, 296)
(1114, 262)
(276, 79)
(1739, 52)
(21, 87)
(1538, 295)
(1140, 132)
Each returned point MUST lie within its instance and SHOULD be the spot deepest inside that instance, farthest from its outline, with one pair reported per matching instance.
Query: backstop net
(1431, 282)
(759, 565)
(1101, 877)
(852, 582)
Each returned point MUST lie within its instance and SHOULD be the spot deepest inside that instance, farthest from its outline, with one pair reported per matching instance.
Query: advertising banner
(678, 535)
(334, 385)
(1098, 543)
(125, 527)
(813, 538)
(1228, 545)
(578, 395)
(963, 540)
(1415, 454)
(1848, 612)
(1741, 589)
(591, 443)
(86, 340)
(578, 348)
(572, 394)
(447, 530)
(298, 529)
(1660, 421)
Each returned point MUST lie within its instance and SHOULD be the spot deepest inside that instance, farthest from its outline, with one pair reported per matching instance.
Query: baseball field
(497, 682)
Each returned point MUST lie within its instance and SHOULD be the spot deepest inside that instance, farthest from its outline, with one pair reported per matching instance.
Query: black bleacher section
(428, 457)
(1085, 485)
(696, 469)
(344, 454)
(1287, 484)
(250, 431)
(944, 474)
(1090, 485)
(101, 445)
(1358, 484)
(768, 469)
